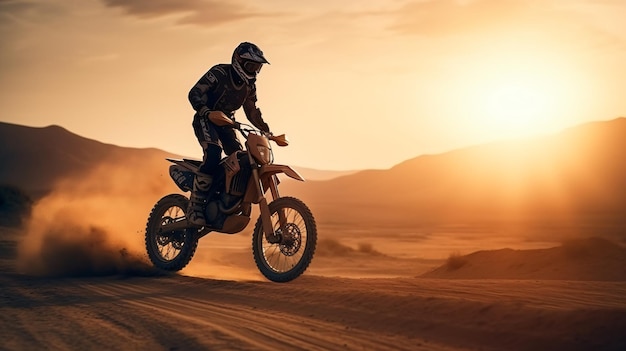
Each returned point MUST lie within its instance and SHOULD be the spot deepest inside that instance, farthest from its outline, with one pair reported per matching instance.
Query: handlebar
(220, 119)
(245, 129)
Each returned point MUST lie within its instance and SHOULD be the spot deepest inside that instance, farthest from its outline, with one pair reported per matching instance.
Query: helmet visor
(252, 67)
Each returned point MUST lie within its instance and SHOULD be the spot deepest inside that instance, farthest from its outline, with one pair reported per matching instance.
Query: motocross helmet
(248, 60)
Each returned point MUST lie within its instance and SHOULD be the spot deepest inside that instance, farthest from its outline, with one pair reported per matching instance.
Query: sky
(354, 84)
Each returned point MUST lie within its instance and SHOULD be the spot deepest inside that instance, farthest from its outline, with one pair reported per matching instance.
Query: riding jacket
(221, 89)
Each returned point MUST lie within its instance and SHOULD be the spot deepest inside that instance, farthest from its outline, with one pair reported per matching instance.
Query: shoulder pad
(220, 70)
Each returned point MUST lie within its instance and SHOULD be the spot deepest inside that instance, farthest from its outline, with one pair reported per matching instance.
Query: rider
(226, 88)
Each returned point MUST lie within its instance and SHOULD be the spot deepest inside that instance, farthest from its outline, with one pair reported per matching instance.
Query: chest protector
(227, 93)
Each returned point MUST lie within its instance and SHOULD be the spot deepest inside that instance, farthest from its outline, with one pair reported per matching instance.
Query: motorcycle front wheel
(170, 251)
(288, 257)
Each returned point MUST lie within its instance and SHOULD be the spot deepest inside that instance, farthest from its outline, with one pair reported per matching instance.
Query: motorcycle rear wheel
(170, 251)
(288, 259)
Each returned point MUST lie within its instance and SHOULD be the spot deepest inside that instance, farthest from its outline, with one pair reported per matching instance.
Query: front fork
(266, 216)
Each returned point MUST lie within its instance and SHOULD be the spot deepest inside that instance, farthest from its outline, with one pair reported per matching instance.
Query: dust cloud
(93, 224)
(332, 247)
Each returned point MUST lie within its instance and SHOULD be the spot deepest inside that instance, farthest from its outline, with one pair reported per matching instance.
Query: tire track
(258, 327)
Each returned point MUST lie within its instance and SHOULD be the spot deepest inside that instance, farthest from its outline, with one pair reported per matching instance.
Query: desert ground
(372, 289)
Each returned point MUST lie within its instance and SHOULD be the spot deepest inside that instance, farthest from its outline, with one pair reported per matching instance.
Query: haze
(354, 84)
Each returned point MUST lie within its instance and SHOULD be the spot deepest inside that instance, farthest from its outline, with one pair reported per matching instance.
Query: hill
(316, 174)
(575, 178)
(34, 159)
(29, 153)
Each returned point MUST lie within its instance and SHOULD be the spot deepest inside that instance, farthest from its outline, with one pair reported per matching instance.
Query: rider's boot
(198, 199)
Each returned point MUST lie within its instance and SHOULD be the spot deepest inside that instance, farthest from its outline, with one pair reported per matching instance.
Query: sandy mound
(584, 259)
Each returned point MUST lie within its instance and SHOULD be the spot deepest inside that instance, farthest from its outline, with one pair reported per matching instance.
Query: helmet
(248, 60)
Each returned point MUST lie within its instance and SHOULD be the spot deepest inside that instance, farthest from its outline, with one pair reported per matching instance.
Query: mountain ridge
(576, 177)
(27, 151)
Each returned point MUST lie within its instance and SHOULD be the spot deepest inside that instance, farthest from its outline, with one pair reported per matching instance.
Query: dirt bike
(285, 234)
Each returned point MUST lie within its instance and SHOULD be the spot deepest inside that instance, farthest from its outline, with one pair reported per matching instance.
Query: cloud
(206, 13)
(445, 17)
(578, 26)
(18, 11)
(16, 5)
(439, 18)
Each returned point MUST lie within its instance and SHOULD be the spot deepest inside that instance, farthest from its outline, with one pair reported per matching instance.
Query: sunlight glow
(518, 107)
(518, 94)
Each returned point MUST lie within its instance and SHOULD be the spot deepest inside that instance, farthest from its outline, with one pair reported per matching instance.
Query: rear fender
(190, 165)
(182, 172)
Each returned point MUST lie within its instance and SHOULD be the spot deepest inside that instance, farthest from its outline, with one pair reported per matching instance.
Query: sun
(517, 107)
(519, 102)
(524, 91)
(490, 94)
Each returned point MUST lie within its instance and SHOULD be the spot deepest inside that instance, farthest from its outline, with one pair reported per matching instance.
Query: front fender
(267, 170)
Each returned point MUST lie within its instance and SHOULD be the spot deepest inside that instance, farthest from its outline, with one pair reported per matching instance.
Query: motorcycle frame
(264, 177)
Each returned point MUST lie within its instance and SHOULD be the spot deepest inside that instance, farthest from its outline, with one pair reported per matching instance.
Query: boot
(198, 199)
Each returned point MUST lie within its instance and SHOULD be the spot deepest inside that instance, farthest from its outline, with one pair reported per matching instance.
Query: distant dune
(592, 259)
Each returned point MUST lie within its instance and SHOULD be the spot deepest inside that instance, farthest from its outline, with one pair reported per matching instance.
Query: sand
(353, 297)
(413, 258)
